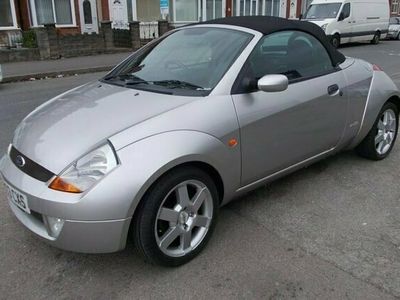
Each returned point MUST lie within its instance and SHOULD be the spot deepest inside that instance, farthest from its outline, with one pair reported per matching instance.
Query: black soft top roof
(267, 25)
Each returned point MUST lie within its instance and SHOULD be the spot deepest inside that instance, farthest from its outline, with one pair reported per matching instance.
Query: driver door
(280, 129)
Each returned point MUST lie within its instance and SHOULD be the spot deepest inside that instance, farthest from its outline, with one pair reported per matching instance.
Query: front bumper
(88, 234)
(391, 35)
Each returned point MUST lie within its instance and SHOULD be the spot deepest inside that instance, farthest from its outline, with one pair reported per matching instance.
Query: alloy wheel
(386, 132)
(184, 218)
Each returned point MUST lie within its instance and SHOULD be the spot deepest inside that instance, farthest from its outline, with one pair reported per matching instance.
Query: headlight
(86, 171)
(323, 27)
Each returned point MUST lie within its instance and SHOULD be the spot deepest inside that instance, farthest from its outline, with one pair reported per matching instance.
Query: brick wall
(80, 45)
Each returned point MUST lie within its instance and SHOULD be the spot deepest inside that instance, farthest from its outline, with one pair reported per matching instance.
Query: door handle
(333, 90)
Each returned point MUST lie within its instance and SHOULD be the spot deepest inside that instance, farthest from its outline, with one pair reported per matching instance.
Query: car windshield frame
(131, 74)
(320, 5)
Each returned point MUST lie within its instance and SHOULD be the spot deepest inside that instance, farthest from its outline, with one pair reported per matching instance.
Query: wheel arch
(151, 158)
(382, 90)
(395, 99)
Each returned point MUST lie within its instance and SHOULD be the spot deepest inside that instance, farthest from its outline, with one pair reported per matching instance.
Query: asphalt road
(331, 231)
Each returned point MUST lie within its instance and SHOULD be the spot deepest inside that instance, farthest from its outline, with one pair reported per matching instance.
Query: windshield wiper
(178, 84)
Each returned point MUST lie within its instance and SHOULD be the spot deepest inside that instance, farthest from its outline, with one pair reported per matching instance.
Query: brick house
(394, 8)
(83, 16)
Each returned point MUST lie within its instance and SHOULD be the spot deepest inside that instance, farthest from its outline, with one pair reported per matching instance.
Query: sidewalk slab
(19, 71)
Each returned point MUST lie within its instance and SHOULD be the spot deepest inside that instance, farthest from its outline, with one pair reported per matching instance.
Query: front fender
(146, 160)
(381, 90)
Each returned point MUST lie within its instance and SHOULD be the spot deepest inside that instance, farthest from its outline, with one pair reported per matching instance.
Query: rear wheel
(380, 140)
(398, 36)
(375, 40)
(335, 40)
(176, 217)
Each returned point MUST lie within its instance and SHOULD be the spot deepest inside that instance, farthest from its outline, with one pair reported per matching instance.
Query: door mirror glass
(273, 83)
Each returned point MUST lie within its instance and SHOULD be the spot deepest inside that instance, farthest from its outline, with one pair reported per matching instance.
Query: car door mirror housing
(273, 83)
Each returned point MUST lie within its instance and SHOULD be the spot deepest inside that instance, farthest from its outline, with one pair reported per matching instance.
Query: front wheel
(335, 41)
(380, 140)
(176, 217)
(377, 37)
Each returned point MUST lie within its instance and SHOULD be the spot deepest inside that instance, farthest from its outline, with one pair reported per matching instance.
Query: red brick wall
(22, 12)
(105, 10)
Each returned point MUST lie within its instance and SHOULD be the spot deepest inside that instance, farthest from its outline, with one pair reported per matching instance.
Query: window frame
(395, 3)
(34, 15)
(13, 16)
(237, 87)
(342, 11)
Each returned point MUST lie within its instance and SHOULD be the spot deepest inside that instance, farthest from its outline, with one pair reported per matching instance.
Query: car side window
(346, 11)
(296, 54)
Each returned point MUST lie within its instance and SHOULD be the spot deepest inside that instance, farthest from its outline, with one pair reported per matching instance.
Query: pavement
(329, 231)
(20, 71)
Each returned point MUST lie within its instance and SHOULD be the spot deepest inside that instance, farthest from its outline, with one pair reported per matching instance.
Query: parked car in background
(394, 28)
(350, 20)
(184, 125)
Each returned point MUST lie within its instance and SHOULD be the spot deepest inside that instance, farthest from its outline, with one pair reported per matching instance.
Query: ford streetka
(184, 125)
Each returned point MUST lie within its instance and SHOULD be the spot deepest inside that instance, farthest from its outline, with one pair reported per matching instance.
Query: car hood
(320, 22)
(63, 129)
(394, 27)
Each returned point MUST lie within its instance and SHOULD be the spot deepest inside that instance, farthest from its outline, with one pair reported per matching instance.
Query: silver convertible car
(192, 120)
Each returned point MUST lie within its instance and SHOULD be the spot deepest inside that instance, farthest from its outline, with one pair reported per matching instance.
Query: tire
(375, 40)
(335, 40)
(384, 133)
(398, 36)
(170, 228)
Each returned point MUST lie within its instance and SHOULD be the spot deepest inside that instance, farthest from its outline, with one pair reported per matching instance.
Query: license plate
(17, 198)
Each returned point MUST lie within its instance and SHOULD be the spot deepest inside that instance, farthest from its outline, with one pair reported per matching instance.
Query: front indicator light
(61, 185)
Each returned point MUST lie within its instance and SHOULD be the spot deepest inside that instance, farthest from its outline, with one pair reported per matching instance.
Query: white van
(350, 20)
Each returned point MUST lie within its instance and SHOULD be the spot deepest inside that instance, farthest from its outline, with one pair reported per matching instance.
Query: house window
(7, 14)
(60, 12)
(256, 8)
(186, 10)
(395, 7)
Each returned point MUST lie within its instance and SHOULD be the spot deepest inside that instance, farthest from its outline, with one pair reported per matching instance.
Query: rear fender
(381, 90)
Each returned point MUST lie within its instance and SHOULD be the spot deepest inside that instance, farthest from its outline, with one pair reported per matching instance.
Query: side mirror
(341, 17)
(273, 83)
(301, 16)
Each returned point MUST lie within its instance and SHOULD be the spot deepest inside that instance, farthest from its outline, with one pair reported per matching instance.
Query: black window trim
(236, 87)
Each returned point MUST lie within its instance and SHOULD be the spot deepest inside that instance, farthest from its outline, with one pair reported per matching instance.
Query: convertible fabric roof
(267, 25)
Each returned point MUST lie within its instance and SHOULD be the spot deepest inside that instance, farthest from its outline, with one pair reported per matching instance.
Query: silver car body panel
(152, 133)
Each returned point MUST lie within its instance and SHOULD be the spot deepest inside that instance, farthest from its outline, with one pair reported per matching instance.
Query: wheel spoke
(199, 199)
(382, 146)
(169, 237)
(391, 126)
(169, 215)
(186, 239)
(380, 125)
(379, 138)
(202, 221)
(386, 118)
(183, 195)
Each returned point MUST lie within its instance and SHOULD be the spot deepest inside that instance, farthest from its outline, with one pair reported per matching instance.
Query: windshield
(322, 11)
(190, 61)
(394, 21)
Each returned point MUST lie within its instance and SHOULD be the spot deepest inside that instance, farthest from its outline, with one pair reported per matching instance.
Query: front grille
(29, 167)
